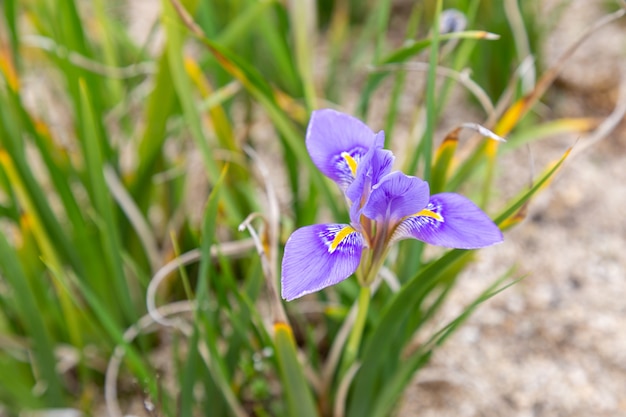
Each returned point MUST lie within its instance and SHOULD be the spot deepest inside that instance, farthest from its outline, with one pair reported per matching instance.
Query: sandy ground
(554, 344)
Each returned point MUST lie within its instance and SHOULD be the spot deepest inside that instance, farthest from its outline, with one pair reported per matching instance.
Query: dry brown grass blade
(521, 107)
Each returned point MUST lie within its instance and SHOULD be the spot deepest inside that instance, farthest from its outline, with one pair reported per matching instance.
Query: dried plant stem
(610, 123)
(273, 220)
(520, 36)
(142, 326)
(550, 75)
(462, 78)
(137, 220)
(81, 61)
(339, 410)
(236, 248)
(278, 313)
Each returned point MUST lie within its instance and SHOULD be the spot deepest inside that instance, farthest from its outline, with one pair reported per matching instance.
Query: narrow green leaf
(109, 324)
(183, 88)
(42, 346)
(103, 203)
(12, 139)
(525, 196)
(426, 144)
(387, 398)
(388, 336)
(189, 376)
(299, 397)
(10, 16)
(302, 14)
(398, 89)
(160, 105)
(207, 320)
(87, 258)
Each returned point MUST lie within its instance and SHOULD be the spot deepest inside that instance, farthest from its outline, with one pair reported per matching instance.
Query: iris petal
(453, 221)
(374, 165)
(337, 142)
(319, 256)
(396, 196)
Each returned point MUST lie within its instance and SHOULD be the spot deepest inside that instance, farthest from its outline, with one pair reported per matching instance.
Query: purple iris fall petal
(396, 196)
(319, 256)
(452, 221)
(337, 142)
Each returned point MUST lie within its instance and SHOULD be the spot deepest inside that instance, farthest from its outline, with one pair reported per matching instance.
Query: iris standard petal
(374, 165)
(396, 196)
(453, 221)
(319, 256)
(337, 142)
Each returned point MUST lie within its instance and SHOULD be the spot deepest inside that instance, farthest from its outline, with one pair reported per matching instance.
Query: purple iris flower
(385, 207)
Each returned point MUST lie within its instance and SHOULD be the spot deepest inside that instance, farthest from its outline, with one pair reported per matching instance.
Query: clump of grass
(105, 272)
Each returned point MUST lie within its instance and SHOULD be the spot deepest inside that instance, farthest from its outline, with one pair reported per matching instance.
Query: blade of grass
(337, 36)
(59, 170)
(245, 20)
(221, 124)
(10, 16)
(44, 242)
(42, 346)
(400, 78)
(374, 30)
(387, 398)
(302, 14)
(205, 321)
(161, 104)
(299, 397)
(14, 147)
(426, 144)
(109, 234)
(389, 333)
(519, 202)
(182, 86)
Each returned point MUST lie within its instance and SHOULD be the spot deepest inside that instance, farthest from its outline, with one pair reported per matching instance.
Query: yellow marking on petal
(351, 162)
(343, 233)
(431, 214)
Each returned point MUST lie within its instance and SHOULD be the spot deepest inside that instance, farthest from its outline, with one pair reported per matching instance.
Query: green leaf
(388, 336)
(183, 88)
(103, 203)
(518, 202)
(42, 344)
(387, 398)
(299, 397)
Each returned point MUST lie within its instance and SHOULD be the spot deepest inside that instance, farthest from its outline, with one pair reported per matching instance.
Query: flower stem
(354, 342)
